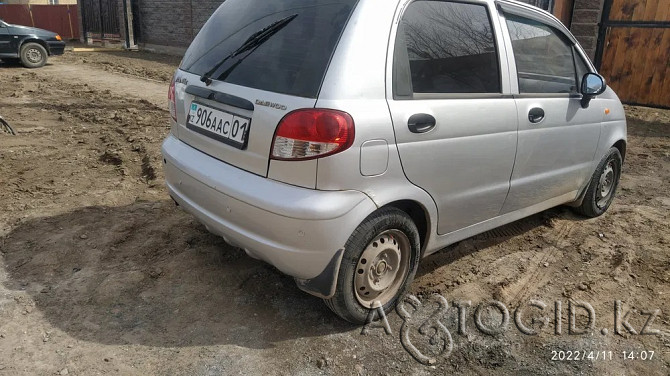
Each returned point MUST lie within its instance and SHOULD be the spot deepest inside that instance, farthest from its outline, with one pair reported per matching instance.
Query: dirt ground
(101, 274)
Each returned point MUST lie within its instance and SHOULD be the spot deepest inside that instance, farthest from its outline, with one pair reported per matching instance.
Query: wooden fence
(634, 50)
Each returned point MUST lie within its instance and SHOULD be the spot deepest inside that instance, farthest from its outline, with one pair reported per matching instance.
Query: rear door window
(450, 47)
(292, 61)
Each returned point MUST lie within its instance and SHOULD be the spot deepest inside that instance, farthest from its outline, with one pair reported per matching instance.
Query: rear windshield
(292, 61)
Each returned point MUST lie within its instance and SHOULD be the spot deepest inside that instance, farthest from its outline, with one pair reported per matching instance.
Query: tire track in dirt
(521, 290)
(152, 91)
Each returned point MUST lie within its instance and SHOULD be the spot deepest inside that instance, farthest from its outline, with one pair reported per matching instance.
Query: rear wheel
(33, 55)
(380, 261)
(604, 183)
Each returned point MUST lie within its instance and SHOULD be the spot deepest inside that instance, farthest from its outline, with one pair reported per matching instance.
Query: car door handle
(421, 123)
(535, 115)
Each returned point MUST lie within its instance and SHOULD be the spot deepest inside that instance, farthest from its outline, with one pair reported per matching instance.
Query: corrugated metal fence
(62, 19)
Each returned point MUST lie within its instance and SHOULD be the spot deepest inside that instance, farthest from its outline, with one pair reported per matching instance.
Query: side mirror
(592, 85)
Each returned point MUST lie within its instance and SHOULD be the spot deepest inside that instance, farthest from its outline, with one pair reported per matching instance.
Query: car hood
(27, 30)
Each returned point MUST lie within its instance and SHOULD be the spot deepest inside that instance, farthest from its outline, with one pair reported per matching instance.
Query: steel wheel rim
(606, 185)
(381, 269)
(34, 55)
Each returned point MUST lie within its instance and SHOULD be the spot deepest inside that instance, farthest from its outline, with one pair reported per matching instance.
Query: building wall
(172, 23)
(586, 15)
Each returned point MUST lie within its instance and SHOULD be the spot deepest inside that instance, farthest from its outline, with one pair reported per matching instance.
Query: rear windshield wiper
(255, 40)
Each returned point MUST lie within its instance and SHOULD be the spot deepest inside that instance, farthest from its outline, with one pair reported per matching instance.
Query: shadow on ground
(645, 128)
(149, 274)
(15, 63)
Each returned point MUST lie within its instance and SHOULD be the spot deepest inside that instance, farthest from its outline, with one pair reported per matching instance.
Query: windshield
(292, 61)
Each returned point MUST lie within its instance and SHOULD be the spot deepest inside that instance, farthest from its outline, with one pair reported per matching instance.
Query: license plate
(220, 125)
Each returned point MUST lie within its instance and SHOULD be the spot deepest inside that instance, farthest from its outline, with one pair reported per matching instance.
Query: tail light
(312, 133)
(172, 100)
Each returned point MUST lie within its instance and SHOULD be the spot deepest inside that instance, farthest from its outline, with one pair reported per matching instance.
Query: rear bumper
(56, 47)
(300, 231)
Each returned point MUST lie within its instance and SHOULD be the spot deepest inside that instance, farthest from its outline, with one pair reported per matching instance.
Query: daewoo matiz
(341, 141)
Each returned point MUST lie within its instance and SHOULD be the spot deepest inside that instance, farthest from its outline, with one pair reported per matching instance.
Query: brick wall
(172, 23)
(586, 15)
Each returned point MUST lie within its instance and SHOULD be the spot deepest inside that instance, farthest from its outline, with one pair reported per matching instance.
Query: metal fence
(100, 19)
(61, 19)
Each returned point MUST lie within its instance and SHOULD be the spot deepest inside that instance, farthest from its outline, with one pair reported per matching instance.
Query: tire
(602, 186)
(33, 55)
(390, 238)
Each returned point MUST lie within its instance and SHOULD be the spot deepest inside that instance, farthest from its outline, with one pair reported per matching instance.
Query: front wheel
(33, 55)
(603, 185)
(380, 260)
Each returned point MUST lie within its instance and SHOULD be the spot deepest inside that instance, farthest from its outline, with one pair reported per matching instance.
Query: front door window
(545, 60)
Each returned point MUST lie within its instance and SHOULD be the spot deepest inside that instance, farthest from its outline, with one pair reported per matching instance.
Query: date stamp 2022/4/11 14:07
(595, 355)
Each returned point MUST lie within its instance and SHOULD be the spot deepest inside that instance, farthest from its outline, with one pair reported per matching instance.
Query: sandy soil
(101, 274)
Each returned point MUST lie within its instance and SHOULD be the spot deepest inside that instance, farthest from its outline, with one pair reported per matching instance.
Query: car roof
(515, 3)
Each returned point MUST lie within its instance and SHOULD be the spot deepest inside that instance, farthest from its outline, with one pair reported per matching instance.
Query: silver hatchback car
(341, 141)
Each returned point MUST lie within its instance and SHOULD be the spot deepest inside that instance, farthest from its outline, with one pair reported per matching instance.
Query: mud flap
(323, 285)
(580, 198)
